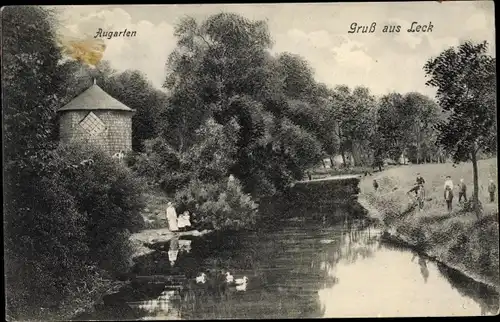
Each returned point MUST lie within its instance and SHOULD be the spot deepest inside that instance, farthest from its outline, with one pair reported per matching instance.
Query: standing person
(420, 179)
(419, 195)
(172, 217)
(448, 182)
(448, 197)
(462, 191)
(183, 222)
(491, 189)
(375, 185)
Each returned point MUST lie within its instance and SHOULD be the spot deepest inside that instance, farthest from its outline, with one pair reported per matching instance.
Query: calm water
(296, 269)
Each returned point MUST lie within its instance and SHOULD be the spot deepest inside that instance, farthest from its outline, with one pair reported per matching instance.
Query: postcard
(250, 161)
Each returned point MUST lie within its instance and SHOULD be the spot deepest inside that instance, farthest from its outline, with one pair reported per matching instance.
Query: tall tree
(465, 79)
(420, 114)
(393, 124)
(353, 111)
(222, 70)
(33, 87)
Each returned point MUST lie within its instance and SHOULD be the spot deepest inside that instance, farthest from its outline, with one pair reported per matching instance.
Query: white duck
(202, 279)
(229, 277)
(241, 288)
(241, 284)
(241, 281)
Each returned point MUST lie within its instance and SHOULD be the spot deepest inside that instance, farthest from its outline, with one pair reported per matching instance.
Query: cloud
(476, 21)
(351, 55)
(381, 61)
(319, 39)
(147, 51)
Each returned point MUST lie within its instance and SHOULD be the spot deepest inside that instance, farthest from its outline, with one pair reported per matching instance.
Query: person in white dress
(172, 217)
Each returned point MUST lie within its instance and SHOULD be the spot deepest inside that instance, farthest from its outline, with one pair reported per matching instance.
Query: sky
(383, 62)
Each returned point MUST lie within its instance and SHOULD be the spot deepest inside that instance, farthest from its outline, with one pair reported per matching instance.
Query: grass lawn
(457, 238)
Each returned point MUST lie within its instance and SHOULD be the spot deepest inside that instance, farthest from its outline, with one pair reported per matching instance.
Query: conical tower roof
(95, 98)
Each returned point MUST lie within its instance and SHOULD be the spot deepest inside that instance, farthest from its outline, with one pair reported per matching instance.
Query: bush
(67, 225)
(221, 205)
(110, 195)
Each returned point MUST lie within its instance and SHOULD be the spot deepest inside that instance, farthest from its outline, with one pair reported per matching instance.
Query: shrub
(110, 195)
(67, 225)
(219, 205)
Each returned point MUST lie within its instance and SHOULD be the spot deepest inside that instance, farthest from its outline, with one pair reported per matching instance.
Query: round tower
(96, 118)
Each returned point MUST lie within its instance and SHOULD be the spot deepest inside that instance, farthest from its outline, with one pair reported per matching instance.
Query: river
(296, 268)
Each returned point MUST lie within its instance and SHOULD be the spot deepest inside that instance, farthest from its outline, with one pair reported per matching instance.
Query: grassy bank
(458, 238)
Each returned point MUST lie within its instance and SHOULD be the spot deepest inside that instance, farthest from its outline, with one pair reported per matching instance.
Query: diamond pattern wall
(92, 124)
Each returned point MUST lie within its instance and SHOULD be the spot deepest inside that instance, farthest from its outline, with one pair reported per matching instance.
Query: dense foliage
(232, 124)
(66, 223)
(465, 79)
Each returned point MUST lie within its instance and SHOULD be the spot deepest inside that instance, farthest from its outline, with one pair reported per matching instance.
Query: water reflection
(389, 281)
(422, 262)
(487, 298)
(173, 250)
(162, 308)
(300, 269)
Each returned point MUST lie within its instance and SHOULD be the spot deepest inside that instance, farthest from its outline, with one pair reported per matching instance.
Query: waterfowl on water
(202, 279)
(242, 287)
(229, 277)
(241, 284)
(241, 281)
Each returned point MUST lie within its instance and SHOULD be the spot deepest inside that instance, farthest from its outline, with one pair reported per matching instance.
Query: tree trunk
(331, 162)
(475, 195)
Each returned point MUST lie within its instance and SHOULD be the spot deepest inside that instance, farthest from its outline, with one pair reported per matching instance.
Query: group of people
(175, 223)
(419, 191)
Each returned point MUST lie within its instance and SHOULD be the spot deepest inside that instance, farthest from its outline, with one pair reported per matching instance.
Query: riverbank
(152, 236)
(457, 239)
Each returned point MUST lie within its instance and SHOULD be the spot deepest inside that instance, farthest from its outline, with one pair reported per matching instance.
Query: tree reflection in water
(164, 307)
(487, 298)
(291, 268)
(422, 262)
(286, 268)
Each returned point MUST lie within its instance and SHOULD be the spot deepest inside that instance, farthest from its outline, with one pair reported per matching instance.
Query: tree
(420, 113)
(353, 111)
(50, 212)
(222, 70)
(465, 79)
(297, 76)
(364, 108)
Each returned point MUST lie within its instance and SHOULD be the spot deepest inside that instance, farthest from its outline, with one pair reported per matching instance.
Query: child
(448, 197)
(420, 179)
(183, 221)
(375, 185)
